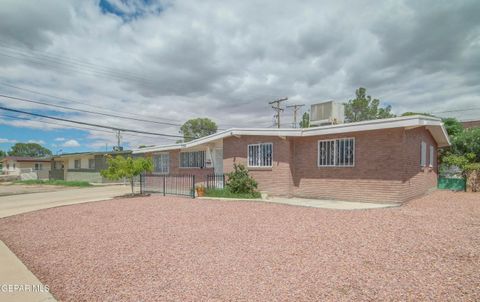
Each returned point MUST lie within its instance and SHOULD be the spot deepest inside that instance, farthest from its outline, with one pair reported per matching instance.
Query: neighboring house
(471, 124)
(387, 160)
(84, 166)
(16, 165)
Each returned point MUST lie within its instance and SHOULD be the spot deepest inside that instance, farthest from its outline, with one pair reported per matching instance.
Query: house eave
(434, 125)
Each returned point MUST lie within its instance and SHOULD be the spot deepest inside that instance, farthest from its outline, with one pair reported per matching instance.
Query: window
(38, 167)
(432, 153)
(423, 156)
(91, 164)
(194, 159)
(161, 163)
(77, 164)
(260, 155)
(336, 152)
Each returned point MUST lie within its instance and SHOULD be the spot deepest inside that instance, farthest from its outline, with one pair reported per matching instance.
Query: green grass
(225, 193)
(54, 182)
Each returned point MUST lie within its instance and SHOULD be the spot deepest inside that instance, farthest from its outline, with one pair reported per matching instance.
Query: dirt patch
(179, 249)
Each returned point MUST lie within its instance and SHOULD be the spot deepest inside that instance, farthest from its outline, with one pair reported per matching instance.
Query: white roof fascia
(158, 148)
(372, 125)
(396, 122)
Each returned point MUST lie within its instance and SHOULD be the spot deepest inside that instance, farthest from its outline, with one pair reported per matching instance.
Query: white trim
(432, 124)
(259, 144)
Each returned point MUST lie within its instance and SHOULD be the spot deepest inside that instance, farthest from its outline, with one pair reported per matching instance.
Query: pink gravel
(175, 249)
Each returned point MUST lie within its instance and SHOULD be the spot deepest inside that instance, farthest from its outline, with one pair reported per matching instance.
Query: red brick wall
(174, 168)
(419, 180)
(376, 177)
(278, 178)
(387, 166)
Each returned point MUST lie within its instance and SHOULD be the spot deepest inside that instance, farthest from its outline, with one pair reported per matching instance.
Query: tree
(2, 154)
(453, 126)
(364, 108)
(29, 150)
(305, 122)
(465, 142)
(196, 128)
(120, 167)
(464, 153)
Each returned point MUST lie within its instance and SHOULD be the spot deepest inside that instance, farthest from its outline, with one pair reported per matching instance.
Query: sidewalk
(14, 273)
(17, 204)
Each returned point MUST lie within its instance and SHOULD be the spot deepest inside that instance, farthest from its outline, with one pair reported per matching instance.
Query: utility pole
(295, 110)
(278, 109)
(119, 136)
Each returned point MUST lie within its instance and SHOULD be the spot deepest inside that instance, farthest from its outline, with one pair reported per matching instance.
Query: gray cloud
(176, 60)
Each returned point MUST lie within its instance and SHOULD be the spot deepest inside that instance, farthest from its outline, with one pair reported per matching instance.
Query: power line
(458, 110)
(81, 110)
(79, 127)
(76, 101)
(89, 124)
(278, 109)
(85, 111)
(56, 60)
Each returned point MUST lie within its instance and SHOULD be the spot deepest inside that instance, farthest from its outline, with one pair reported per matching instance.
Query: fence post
(164, 185)
(193, 186)
(223, 181)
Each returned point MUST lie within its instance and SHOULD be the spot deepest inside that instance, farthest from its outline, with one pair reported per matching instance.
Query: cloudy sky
(168, 61)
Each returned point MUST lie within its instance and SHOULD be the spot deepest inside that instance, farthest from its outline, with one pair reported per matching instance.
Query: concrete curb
(14, 272)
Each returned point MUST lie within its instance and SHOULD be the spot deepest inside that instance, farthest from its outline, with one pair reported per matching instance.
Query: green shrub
(240, 182)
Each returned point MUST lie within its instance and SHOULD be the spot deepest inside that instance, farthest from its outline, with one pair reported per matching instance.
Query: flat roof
(26, 159)
(434, 125)
(91, 153)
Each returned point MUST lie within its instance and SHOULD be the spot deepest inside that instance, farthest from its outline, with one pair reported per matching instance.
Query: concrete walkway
(17, 283)
(17, 204)
(330, 204)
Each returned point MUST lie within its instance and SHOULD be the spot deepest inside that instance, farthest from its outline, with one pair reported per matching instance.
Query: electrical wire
(85, 111)
(89, 124)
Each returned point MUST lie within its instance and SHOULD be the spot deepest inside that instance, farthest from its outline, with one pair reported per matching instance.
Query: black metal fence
(216, 181)
(168, 184)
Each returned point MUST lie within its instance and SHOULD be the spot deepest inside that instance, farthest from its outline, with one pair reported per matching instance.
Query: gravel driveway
(175, 249)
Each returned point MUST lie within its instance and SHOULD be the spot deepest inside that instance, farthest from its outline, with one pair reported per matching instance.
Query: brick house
(387, 160)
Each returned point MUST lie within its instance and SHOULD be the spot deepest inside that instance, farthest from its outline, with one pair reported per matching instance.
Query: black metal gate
(216, 181)
(168, 184)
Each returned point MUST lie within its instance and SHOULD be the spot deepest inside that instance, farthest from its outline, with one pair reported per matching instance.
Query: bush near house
(239, 185)
(239, 181)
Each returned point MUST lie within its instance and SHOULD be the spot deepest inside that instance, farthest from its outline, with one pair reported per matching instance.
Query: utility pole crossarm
(278, 108)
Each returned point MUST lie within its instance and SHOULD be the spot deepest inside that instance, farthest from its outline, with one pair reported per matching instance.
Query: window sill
(195, 168)
(330, 167)
(260, 168)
